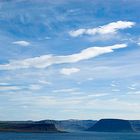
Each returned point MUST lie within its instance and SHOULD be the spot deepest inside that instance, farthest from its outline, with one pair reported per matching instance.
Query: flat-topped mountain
(111, 125)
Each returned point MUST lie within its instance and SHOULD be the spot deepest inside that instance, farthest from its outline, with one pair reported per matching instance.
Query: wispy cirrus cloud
(48, 60)
(22, 43)
(112, 27)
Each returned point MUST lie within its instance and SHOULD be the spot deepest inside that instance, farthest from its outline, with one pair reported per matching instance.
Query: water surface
(69, 136)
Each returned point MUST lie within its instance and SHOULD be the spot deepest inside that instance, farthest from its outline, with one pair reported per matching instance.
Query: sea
(69, 136)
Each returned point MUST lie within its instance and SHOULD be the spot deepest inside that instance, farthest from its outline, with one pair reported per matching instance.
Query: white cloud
(113, 85)
(131, 88)
(69, 71)
(45, 82)
(5, 88)
(106, 29)
(77, 32)
(134, 93)
(98, 95)
(48, 60)
(65, 90)
(22, 43)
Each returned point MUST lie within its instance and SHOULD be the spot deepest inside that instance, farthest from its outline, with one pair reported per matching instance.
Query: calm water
(69, 136)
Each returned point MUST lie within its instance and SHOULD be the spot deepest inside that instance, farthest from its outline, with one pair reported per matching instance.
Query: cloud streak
(6, 88)
(110, 28)
(69, 71)
(21, 43)
(48, 60)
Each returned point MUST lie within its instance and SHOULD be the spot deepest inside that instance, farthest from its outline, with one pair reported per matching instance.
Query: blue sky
(69, 59)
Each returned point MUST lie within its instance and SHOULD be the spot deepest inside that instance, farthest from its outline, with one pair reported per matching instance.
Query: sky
(67, 59)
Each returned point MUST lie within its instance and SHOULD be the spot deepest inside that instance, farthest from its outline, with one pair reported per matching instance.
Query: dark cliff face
(111, 125)
(28, 127)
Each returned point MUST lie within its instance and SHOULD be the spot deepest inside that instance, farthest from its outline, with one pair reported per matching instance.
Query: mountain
(111, 125)
(28, 126)
(47, 125)
(71, 125)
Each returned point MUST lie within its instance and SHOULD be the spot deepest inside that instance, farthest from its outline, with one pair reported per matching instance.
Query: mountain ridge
(59, 125)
